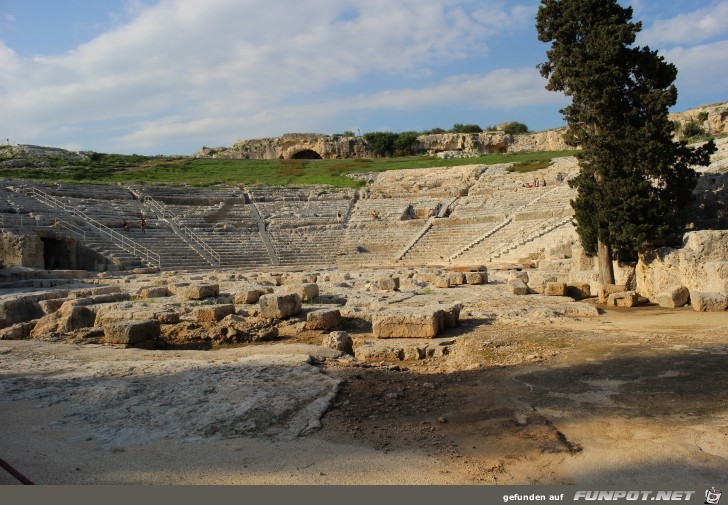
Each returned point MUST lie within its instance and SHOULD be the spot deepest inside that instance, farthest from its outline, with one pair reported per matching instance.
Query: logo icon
(712, 496)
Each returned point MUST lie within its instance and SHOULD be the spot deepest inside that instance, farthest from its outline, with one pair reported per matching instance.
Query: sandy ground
(633, 396)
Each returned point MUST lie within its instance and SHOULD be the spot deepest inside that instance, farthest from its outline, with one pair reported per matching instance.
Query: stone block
(456, 278)
(475, 278)
(52, 305)
(376, 351)
(131, 332)
(339, 340)
(326, 319)
(708, 302)
(196, 291)
(154, 292)
(17, 331)
(68, 318)
(555, 289)
(673, 298)
(275, 306)
(306, 292)
(578, 291)
(449, 317)
(247, 296)
(441, 282)
(522, 276)
(623, 299)
(608, 289)
(213, 313)
(407, 324)
(19, 309)
(387, 283)
(517, 287)
(538, 279)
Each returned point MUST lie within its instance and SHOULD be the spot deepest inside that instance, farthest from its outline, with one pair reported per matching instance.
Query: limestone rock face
(21, 250)
(708, 302)
(275, 306)
(700, 265)
(475, 278)
(387, 283)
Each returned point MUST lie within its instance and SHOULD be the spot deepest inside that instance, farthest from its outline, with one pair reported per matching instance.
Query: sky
(170, 76)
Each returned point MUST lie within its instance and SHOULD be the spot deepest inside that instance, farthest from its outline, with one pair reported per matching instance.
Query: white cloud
(184, 69)
(690, 28)
(703, 67)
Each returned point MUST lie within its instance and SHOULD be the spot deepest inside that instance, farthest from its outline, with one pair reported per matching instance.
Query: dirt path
(633, 396)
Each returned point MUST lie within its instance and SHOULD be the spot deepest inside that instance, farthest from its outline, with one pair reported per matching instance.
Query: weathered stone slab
(449, 317)
(52, 305)
(339, 340)
(131, 332)
(456, 278)
(673, 298)
(578, 291)
(517, 287)
(68, 318)
(154, 292)
(306, 292)
(708, 302)
(608, 289)
(387, 283)
(407, 324)
(326, 319)
(538, 279)
(522, 276)
(441, 282)
(17, 331)
(248, 295)
(212, 313)
(275, 306)
(555, 289)
(475, 278)
(195, 291)
(19, 309)
(623, 299)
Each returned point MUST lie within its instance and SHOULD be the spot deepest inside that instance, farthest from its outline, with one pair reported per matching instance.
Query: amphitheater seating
(258, 227)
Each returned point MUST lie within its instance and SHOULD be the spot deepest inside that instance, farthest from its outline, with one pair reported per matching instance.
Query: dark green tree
(381, 143)
(465, 128)
(634, 179)
(515, 128)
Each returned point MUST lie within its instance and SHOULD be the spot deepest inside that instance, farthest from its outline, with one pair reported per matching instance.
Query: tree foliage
(465, 128)
(633, 178)
(515, 128)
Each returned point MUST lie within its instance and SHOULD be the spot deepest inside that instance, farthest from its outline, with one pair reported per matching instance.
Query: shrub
(703, 116)
(381, 143)
(406, 144)
(692, 129)
(515, 128)
(465, 128)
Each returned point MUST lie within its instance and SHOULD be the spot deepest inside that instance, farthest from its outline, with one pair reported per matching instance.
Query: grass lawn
(109, 168)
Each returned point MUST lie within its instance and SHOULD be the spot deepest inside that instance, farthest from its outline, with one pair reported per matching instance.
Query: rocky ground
(528, 389)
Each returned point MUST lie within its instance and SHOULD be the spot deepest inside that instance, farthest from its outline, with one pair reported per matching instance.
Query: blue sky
(169, 76)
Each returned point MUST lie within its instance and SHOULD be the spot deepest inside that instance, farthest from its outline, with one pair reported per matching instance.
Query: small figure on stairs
(143, 224)
(125, 225)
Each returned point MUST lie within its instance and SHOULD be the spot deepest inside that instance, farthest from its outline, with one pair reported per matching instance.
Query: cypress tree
(634, 179)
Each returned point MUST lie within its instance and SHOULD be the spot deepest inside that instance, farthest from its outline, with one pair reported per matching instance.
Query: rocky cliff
(712, 118)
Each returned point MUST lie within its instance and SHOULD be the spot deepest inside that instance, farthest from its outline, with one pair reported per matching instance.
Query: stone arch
(306, 154)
